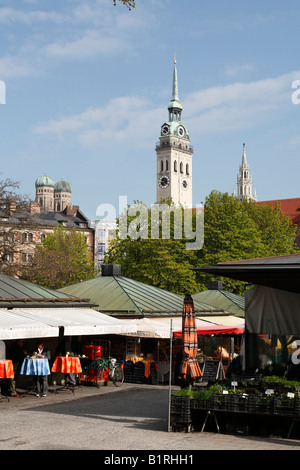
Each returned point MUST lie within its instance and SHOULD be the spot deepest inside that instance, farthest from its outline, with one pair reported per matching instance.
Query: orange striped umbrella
(189, 366)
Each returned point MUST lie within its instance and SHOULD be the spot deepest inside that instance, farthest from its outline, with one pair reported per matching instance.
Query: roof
(279, 272)
(46, 219)
(230, 302)
(290, 207)
(62, 186)
(30, 311)
(175, 103)
(121, 296)
(44, 180)
(16, 292)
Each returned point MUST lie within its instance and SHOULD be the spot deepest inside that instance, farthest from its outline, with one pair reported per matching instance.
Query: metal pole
(170, 378)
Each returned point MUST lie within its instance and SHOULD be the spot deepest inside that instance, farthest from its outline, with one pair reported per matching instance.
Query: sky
(85, 85)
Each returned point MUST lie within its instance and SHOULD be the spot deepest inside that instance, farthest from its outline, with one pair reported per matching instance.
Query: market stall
(265, 397)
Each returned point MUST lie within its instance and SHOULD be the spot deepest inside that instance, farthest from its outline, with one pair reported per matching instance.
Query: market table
(231, 414)
(67, 365)
(6, 372)
(6, 369)
(35, 366)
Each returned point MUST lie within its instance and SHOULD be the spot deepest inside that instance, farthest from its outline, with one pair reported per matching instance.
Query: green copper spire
(174, 106)
(175, 84)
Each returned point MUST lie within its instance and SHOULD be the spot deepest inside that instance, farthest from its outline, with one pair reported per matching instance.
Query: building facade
(21, 230)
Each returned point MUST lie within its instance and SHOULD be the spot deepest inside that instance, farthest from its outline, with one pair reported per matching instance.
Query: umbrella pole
(170, 379)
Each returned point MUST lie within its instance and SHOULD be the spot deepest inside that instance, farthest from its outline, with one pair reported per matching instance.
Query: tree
(11, 203)
(63, 258)
(233, 230)
(237, 230)
(129, 3)
(163, 262)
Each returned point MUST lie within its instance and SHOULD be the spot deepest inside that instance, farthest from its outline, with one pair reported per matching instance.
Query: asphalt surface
(114, 420)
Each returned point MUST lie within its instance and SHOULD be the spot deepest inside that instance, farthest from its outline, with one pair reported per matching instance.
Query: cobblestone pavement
(132, 417)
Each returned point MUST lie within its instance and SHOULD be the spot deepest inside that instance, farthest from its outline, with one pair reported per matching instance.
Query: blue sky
(88, 85)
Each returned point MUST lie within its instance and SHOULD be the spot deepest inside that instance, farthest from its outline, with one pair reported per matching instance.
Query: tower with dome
(174, 155)
(51, 196)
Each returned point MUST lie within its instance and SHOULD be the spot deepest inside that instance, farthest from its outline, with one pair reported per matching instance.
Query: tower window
(175, 166)
(161, 166)
(187, 170)
(167, 165)
(181, 167)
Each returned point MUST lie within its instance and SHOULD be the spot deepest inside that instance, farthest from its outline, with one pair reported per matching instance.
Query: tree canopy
(11, 201)
(129, 3)
(233, 230)
(63, 258)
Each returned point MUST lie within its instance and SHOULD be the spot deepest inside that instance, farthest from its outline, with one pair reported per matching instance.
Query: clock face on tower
(185, 184)
(164, 182)
(180, 131)
(165, 129)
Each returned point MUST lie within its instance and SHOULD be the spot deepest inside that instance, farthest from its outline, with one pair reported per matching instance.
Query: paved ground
(132, 417)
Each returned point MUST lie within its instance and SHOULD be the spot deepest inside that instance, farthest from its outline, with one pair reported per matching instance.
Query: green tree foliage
(233, 230)
(63, 258)
(161, 262)
(13, 206)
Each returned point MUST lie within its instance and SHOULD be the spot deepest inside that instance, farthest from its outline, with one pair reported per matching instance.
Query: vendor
(221, 354)
(235, 367)
(41, 381)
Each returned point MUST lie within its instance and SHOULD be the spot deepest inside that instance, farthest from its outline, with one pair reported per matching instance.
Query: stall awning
(279, 272)
(215, 330)
(228, 320)
(160, 327)
(272, 311)
(36, 322)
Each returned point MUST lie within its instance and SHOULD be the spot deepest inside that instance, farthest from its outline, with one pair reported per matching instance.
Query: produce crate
(297, 406)
(253, 403)
(284, 406)
(181, 419)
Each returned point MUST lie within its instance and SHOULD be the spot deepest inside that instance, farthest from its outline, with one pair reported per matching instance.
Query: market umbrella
(189, 368)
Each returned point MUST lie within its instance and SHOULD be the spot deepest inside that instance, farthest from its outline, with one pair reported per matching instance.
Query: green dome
(62, 186)
(174, 104)
(44, 181)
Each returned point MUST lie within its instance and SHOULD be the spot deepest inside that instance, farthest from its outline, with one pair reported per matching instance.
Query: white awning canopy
(228, 320)
(160, 327)
(45, 322)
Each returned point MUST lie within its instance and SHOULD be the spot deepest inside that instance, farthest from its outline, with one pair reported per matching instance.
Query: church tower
(174, 155)
(244, 180)
(44, 192)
